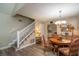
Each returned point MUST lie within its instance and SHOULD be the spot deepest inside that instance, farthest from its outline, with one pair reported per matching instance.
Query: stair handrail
(26, 27)
(20, 32)
(26, 36)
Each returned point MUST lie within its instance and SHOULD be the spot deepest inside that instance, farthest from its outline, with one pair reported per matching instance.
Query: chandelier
(60, 22)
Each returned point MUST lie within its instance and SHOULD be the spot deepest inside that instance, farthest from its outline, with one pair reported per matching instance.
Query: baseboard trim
(25, 46)
(12, 42)
(5, 47)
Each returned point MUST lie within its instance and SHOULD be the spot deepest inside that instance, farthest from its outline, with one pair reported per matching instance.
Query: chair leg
(58, 53)
(54, 50)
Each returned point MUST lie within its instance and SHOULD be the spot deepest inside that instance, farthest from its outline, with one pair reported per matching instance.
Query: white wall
(73, 22)
(78, 25)
(7, 8)
(8, 27)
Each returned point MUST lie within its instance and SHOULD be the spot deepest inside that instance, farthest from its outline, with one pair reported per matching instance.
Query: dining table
(57, 43)
(63, 42)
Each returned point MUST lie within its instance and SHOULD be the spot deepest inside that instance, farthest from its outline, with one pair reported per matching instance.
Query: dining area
(62, 34)
(63, 39)
(65, 47)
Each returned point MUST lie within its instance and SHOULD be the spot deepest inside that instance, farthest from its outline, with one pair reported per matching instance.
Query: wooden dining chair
(55, 45)
(72, 50)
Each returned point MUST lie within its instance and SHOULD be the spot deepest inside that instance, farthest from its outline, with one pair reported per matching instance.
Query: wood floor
(34, 50)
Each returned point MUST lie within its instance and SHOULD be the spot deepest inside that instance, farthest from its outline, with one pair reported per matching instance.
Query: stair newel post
(18, 38)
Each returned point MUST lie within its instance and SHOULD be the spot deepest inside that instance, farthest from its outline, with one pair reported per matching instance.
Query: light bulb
(63, 22)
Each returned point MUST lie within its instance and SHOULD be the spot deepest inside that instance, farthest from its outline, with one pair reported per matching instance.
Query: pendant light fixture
(60, 22)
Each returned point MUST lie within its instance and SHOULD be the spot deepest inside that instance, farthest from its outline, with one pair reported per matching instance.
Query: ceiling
(48, 11)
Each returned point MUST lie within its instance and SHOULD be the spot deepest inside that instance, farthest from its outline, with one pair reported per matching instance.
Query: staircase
(26, 36)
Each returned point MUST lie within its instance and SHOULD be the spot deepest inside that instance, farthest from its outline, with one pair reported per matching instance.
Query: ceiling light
(60, 22)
